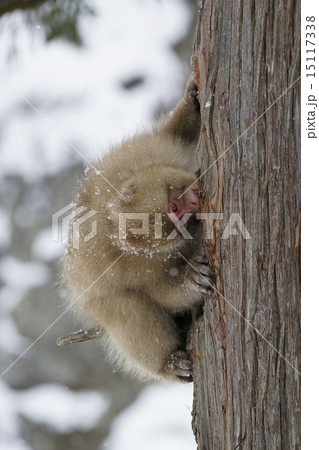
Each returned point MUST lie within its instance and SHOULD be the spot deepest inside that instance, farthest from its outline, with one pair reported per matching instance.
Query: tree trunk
(247, 344)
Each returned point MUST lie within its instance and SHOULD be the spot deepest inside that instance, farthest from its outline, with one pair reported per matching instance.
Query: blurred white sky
(79, 91)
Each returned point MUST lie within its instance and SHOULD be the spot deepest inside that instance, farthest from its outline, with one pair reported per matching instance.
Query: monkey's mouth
(192, 200)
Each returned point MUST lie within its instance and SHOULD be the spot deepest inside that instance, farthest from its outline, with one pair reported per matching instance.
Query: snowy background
(62, 104)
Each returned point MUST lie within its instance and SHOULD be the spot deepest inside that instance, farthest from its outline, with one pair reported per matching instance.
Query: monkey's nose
(193, 201)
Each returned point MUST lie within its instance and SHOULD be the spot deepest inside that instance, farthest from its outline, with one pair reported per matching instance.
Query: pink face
(188, 203)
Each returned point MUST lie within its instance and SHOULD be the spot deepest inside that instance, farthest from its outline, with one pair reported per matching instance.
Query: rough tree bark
(247, 344)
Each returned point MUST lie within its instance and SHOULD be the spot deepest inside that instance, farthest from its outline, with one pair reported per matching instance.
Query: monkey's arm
(184, 121)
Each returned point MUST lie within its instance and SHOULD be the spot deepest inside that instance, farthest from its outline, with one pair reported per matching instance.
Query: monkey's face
(159, 204)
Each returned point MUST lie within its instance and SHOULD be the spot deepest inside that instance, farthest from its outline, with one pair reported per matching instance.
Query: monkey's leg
(146, 334)
(184, 121)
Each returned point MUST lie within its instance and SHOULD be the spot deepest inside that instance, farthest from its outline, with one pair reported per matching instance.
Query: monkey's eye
(173, 208)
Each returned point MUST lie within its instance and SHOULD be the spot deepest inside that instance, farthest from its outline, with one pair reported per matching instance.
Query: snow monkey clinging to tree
(147, 286)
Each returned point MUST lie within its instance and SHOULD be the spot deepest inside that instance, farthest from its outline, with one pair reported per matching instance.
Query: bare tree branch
(80, 336)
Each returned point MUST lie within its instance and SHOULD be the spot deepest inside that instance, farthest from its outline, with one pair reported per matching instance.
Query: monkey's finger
(201, 284)
(202, 289)
(182, 365)
(204, 270)
(203, 281)
(201, 259)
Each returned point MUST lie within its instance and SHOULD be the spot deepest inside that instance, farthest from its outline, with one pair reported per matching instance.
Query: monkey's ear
(128, 189)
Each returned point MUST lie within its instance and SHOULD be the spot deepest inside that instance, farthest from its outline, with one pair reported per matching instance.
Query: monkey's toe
(182, 366)
(204, 270)
(185, 379)
(201, 259)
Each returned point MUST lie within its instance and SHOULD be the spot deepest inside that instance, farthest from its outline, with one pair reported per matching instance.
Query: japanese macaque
(132, 274)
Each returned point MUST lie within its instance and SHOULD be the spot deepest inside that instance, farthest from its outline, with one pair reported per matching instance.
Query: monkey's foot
(203, 277)
(181, 366)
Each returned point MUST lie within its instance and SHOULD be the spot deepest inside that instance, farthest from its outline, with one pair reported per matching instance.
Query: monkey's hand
(201, 277)
(191, 93)
(184, 122)
(184, 291)
(181, 366)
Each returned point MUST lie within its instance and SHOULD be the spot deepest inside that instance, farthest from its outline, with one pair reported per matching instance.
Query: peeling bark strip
(247, 360)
